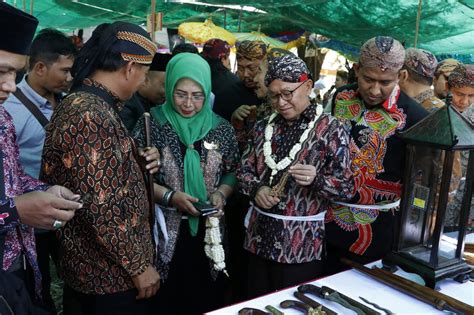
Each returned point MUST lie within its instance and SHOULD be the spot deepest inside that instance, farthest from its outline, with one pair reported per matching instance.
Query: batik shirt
(88, 150)
(378, 157)
(326, 148)
(428, 100)
(219, 160)
(18, 237)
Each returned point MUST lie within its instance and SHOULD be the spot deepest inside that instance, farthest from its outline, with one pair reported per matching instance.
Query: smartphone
(204, 208)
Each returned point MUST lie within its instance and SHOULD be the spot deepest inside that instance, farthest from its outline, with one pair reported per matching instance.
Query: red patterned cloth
(88, 150)
(378, 160)
(216, 49)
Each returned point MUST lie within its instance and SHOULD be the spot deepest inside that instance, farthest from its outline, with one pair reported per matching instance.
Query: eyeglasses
(183, 97)
(285, 95)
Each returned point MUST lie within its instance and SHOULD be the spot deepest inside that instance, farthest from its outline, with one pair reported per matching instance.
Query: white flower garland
(213, 248)
(267, 147)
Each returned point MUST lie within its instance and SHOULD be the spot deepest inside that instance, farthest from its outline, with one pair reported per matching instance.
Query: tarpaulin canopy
(202, 32)
(446, 26)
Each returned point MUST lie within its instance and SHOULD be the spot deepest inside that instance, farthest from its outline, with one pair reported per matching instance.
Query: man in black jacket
(236, 98)
(149, 94)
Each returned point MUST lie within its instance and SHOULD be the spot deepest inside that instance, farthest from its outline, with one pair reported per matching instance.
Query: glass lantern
(437, 198)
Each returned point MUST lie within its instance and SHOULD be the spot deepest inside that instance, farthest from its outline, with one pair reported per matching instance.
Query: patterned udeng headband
(462, 76)
(287, 68)
(251, 49)
(382, 52)
(128, 50)
(421, 61)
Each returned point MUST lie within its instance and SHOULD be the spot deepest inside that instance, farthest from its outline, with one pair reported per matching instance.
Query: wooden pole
(418, 17)
(153, 19)
(225, 19)
(149, 177)
(413, 289)
(240, 19)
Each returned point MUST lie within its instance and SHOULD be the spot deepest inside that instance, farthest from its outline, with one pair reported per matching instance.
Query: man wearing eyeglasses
(362, 229)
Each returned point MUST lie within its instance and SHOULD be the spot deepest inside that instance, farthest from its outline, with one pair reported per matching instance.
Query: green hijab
(190, 129)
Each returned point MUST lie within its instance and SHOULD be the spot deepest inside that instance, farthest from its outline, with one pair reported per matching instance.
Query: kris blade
(252, 311)
(334, 296)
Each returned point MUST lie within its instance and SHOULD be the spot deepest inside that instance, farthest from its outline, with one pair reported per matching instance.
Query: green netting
(67, 15)
(447, 26)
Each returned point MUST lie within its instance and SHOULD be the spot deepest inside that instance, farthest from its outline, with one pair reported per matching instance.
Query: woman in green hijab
(198, 158)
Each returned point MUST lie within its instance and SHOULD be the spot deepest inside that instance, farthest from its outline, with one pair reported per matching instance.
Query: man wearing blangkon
(106, 252)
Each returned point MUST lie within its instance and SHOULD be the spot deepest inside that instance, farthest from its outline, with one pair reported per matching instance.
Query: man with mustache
(238, 98)
(362, 229)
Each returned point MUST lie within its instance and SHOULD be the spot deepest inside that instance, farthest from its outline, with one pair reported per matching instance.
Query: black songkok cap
(160, 61)
(17, 29)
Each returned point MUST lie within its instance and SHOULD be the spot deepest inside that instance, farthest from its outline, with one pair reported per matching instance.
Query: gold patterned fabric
(251, 49)
(428, 100)
(462, 76)
(88, 150)
(446, 66)
(141, 41)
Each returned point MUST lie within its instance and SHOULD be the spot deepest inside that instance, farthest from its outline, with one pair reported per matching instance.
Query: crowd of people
(294, 184)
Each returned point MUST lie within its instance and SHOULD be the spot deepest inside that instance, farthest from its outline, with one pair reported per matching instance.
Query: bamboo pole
(240, 19)
(153, 19)
(418, 17)
(225, 19)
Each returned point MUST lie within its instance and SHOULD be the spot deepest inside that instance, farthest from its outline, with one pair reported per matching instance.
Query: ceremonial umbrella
(254, 36)
(202, 32)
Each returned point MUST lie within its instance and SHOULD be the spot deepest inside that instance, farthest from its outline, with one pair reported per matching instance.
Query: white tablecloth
(354, 284)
